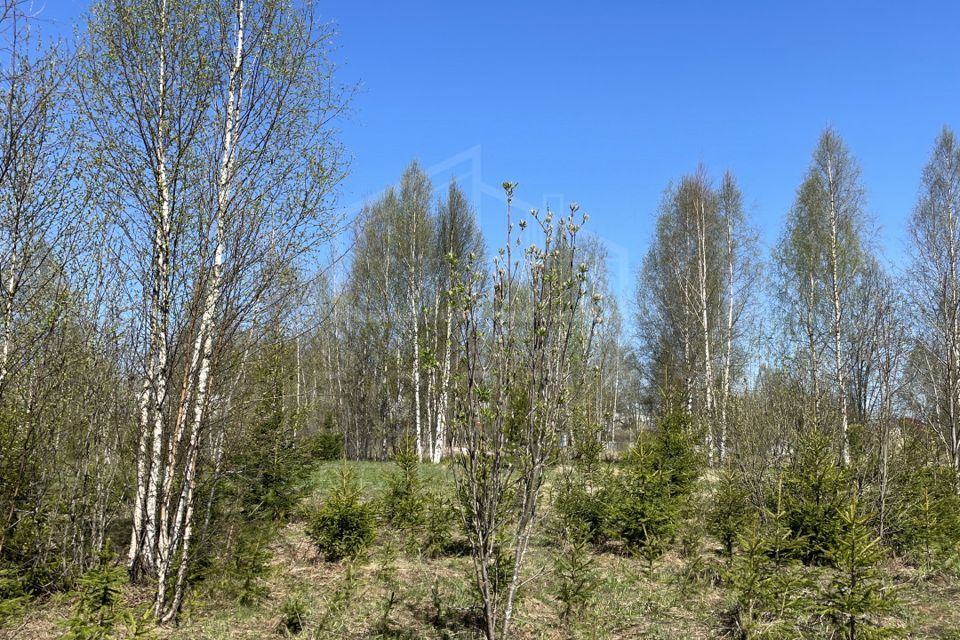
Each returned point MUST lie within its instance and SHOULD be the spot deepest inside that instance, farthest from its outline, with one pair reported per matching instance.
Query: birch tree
(456, 238)
(212, 122)
(935, 235)
(819, 257)
(691, 296)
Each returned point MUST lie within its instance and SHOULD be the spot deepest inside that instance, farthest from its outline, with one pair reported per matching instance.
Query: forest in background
(178, 351)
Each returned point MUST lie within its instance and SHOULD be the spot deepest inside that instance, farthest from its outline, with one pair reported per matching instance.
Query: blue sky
(604, 103)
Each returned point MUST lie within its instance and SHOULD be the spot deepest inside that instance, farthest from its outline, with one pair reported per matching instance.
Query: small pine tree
(771, 589)
(645, 512)
(731, 510)
(99, 613)
(814, 491)
(344, 525)
(749, 577)
(327, 444)
(440, 514)
(857, 595)
(293, 616)
(575, 571)
(583, 498)
(782, 543)
(405, 500)
(651, 497)
(924, 514)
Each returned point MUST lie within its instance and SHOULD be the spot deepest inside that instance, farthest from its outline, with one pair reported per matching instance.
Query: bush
(293, 616)
(731, 510)
(344, 524)
(924, 513)
(815, 491)
(857, 597)
(404, 502)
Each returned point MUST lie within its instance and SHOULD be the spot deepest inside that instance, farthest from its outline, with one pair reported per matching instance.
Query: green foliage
(344, 524)
(924, 513)
(99, 613)
(404, 503)
(651, 494)
(293, 616)
(675, 455)
(814, 492)
(645, 514)
(857, 596)
(387, 578)
(583, 499)
(338, 604)
(575, 572)
(327, 444)
(248, 565)
(772, 592)
(14, 597)
(731, 510)
(643, 503)
(437, 533)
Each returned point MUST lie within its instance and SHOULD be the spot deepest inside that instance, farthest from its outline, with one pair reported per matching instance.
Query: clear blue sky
(604, 103)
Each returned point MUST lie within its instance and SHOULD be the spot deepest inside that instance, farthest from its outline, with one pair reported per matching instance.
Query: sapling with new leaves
(515, 341)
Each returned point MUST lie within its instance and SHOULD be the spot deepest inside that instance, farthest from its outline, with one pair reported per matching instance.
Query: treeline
(388, 355)
(822, 335)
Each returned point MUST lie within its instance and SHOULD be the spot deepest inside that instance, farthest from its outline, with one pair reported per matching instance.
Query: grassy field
(392, 592)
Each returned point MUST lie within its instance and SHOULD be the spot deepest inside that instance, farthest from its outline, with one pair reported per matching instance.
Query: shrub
(293, 616)
(404, 502)
(814, 493)
(575, 572)
(731, 510)
(856, 597)
(344, 524)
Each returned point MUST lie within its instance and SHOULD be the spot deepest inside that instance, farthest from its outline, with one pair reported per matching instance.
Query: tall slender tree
(935, 273)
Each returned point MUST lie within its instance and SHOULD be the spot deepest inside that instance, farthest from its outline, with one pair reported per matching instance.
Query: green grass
(372, 477)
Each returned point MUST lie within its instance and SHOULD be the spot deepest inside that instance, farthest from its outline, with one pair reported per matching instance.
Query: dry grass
(680, 598)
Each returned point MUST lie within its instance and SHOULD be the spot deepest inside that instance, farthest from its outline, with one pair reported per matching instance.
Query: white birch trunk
(705, 324)
(183, 522)
(837, 315)
(444, 393)
(146, 555)
(728, 356)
